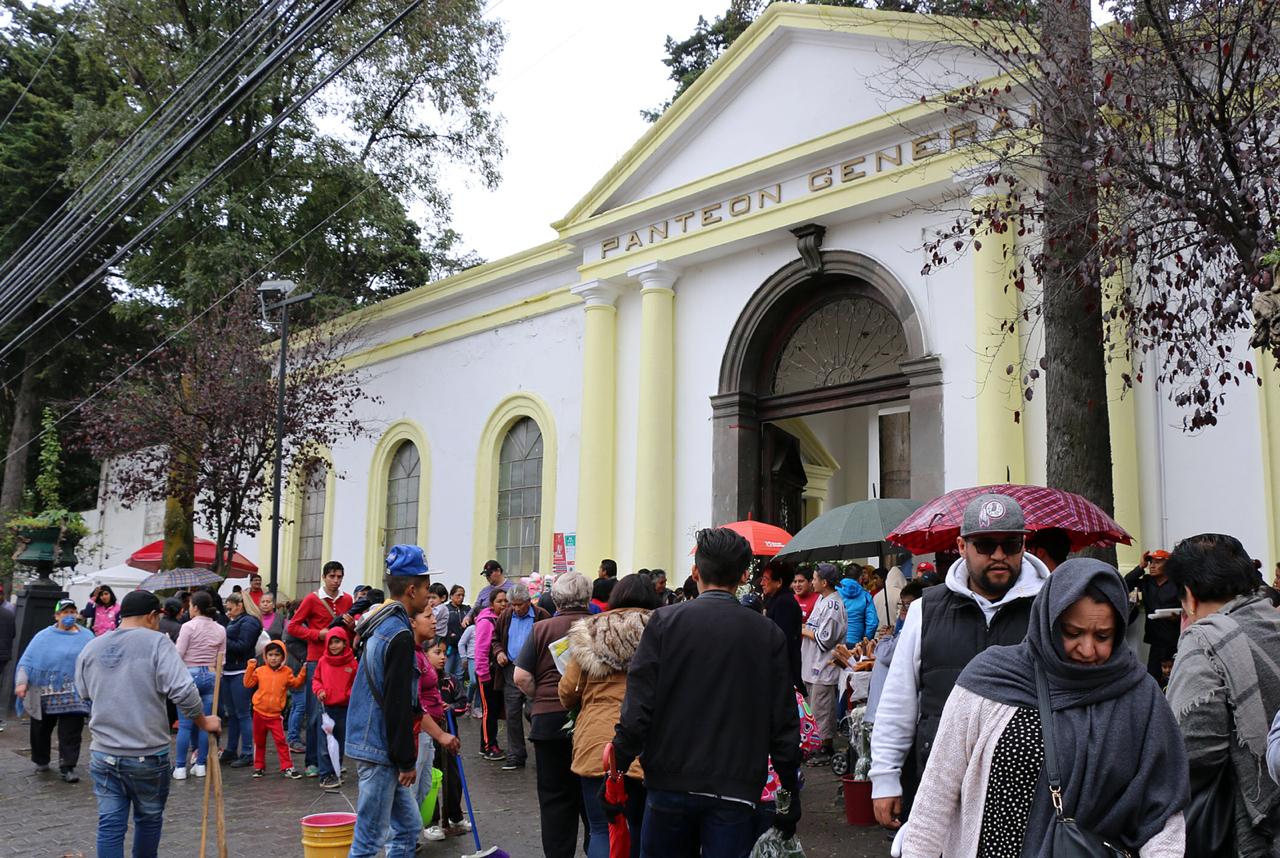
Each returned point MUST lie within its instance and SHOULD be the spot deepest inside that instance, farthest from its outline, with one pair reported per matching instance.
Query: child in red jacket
(335, 674)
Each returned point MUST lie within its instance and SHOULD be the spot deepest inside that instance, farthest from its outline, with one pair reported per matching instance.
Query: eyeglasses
(986, 546)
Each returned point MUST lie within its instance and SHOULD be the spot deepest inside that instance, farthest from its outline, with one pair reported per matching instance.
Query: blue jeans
(311, 724)
(297, 708)
(239, 726)
(119, 782)
(339, 716)
(678, 823)
(457, 668)
(384, 807)
(473, 693)
(187, 729)
(598, 823)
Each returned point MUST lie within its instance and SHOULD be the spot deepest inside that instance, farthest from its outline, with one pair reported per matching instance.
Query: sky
(573, 78)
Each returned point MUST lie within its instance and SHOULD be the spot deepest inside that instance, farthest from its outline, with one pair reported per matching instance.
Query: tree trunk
(24, 425)
(1079, 445)
(179, 534)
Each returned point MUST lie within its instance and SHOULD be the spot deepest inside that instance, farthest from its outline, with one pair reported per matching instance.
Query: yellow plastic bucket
(327, 835)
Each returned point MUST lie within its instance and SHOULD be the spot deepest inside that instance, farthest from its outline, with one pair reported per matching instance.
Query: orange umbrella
(766, 539)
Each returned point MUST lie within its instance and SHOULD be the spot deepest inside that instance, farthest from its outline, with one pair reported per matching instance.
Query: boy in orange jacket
(273, 680)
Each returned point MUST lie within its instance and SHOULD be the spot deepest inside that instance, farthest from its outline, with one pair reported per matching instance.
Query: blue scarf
(50, 664)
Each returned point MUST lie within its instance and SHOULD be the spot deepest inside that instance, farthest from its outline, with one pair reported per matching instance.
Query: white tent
(120, 578)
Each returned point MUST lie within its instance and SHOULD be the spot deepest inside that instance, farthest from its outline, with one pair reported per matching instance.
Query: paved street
(41, 817)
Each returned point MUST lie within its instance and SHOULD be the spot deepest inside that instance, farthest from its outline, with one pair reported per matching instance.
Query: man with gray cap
(986, 601)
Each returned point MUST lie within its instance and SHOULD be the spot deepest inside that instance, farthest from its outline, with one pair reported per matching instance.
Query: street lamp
(277, 295)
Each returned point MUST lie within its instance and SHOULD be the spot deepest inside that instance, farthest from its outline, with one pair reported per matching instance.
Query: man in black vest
(985, 601)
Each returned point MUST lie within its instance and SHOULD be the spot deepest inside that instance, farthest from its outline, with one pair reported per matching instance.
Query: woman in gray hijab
(1120, 757)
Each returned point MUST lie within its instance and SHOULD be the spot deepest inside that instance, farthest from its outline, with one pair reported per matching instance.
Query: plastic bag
(771, 845)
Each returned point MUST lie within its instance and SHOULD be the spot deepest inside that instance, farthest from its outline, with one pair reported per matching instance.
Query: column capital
(599, 293)
(655, 275)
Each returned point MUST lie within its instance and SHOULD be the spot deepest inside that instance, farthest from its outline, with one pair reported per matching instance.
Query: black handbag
(1070, 840)
(1210, 815)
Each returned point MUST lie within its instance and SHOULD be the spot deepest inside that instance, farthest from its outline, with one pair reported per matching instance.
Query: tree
(324, 200)
(690, 57)
(46, 76)
(196, 425)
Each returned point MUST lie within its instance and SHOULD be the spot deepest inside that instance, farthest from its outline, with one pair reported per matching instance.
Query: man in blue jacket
(384, 704)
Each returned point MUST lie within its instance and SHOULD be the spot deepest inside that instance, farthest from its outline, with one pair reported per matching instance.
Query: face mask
(66, 622)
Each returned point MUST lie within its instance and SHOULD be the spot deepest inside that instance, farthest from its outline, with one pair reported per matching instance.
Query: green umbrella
(851, 531)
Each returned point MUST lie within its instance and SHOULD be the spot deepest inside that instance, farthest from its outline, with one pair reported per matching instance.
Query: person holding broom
(128, 675)
(383, 708)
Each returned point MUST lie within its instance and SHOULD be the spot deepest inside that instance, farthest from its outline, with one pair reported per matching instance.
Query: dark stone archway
(747, 397)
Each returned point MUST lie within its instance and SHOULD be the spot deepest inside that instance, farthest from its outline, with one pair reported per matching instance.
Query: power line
(45, 62)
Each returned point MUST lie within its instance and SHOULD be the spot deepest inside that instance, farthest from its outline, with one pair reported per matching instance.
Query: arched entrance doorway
(827, 394)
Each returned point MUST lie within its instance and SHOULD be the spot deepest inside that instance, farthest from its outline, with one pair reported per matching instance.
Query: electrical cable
(246, 281)
(142, 141)
(52, 50)
(209, 178)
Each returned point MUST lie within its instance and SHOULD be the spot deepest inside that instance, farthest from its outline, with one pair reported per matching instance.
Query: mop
(214, 779)
(492, 851)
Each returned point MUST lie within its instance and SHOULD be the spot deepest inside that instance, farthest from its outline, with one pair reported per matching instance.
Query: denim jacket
(366, 722)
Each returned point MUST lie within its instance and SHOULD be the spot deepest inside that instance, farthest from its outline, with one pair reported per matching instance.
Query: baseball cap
(828, 572)
(406, 561)
(992, 513)
(63, 604)
(1158, 554)
(139, 603)
(925, 566)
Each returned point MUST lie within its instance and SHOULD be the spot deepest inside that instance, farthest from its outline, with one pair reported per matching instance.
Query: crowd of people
(1005, 708)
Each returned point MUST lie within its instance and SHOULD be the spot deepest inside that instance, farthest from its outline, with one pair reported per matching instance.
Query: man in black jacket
(709, 699)
(780, 605)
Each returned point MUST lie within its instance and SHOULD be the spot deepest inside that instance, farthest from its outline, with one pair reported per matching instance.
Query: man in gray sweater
(128, 675)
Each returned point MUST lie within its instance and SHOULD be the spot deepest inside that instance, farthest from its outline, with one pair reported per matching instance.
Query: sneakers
(434, 832)
(296, 747)
(180, 773)
(456, 829)
(227, 757)
(42, 768)
(259, 773)
(512, 765)
(312, 772)
(292, 774)
(242, 762)
(330, 782)
(69, 776)
(495, 753)
(198, 771)
(477, 714)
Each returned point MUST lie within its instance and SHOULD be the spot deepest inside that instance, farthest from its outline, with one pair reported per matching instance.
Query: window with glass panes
(402, 498)
(520, 498)
(311, 529)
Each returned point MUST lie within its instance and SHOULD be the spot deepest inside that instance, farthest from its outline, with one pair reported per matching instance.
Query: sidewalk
(41, 817)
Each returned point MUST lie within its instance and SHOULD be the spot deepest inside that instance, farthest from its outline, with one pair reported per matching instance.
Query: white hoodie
(899, 707)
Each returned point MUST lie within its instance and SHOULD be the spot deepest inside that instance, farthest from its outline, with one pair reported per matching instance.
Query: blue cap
(406, 560)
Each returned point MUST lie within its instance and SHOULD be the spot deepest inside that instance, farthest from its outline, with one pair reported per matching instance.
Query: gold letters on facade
(743, 205)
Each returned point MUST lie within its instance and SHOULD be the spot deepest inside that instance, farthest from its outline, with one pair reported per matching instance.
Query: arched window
(520, 498)
(402, 497)
(310, 528)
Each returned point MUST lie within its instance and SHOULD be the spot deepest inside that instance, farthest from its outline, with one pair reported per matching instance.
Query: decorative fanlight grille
(847, 340)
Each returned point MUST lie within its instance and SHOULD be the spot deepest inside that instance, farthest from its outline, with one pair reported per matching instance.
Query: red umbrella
(148, 558)
(615, 792)
(935, 526)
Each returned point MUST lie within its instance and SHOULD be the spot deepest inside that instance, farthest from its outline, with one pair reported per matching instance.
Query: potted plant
(47, 539)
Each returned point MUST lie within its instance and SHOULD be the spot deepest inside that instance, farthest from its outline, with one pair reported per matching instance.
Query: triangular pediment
(797, 74)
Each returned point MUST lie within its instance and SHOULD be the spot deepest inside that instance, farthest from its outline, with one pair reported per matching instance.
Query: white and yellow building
(733, 322)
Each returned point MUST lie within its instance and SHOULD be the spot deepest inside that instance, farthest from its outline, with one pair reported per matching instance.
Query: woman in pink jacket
(490, 697)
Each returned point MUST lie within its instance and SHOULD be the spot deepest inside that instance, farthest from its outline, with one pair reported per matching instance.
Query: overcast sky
(574, 77)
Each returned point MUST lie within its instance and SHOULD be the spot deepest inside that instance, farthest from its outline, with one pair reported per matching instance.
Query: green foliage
(48, 486)
(326, 199)
(690, 57)
(50, 462)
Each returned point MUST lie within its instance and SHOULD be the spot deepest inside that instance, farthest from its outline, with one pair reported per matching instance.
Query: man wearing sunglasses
(985, 601)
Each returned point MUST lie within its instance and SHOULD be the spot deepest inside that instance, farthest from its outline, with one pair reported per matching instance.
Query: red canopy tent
(148, 558)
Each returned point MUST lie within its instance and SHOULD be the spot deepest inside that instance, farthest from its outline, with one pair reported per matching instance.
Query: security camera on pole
(276, 295)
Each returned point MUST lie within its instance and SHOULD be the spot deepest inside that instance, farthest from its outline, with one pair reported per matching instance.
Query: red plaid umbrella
(615, 792)
(935, 526)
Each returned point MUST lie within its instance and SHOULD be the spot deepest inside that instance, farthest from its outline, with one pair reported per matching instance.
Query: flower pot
(45, 547)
